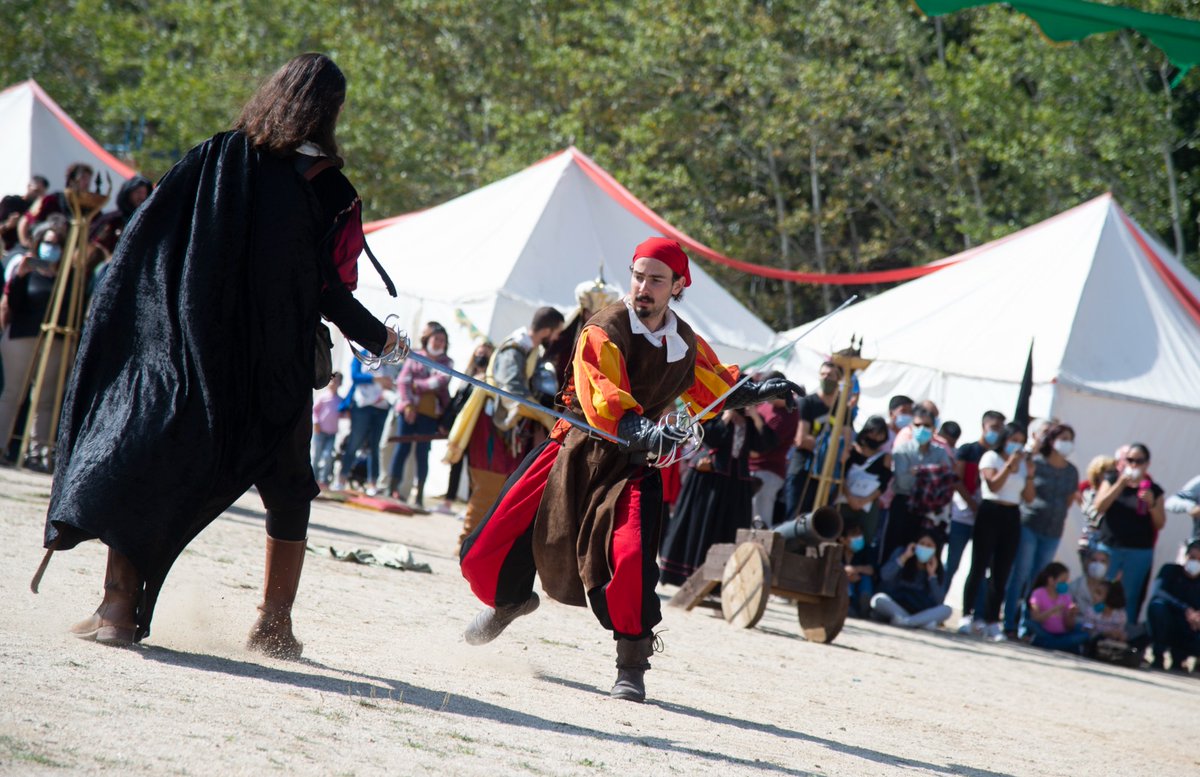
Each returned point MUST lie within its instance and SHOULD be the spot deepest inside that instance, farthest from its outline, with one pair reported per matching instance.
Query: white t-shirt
(1014, 484)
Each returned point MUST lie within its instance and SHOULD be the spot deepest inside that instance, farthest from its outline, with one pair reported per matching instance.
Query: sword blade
(527, 402)
(770, 357)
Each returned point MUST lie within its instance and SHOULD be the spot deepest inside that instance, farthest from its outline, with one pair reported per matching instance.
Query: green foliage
(920, 138)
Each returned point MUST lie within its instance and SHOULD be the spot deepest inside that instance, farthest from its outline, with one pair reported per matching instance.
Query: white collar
(521, 338)
(308, 148)
(668, 333)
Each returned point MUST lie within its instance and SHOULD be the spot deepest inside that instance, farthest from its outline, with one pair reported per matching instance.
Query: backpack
(933, 488)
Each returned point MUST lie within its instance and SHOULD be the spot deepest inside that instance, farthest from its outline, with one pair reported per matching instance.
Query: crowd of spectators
(913, 500)
(35, 238)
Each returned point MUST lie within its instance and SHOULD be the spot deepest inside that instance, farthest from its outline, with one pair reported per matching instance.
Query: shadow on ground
(370, 687)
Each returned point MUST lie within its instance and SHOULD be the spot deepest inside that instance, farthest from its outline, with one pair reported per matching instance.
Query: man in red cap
(584, 513)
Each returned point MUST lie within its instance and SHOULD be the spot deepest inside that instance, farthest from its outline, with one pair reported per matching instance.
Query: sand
(387, 685)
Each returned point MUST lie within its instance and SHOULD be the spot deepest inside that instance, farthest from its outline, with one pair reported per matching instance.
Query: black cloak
(196, 363)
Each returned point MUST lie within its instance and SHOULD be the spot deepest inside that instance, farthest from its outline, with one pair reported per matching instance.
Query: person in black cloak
(195, 373)
(718, 496)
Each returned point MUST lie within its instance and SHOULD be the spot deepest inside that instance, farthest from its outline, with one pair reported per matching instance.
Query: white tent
(502, 251)
(1114, 321)
(39, 138)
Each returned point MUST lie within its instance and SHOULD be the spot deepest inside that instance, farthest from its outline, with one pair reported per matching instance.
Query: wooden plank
(772, 542)
(801, 574)
(705, 579)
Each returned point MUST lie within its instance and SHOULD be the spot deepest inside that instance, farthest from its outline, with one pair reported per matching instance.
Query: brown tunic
(572, 534)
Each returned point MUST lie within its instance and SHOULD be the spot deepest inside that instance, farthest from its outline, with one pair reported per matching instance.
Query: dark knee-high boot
(115, 620)
(633, 659)
(272, 632)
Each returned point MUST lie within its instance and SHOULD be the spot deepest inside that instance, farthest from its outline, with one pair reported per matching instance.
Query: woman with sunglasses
(1133, 508)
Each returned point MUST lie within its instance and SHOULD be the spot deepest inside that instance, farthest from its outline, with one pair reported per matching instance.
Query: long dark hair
(299, 103)
(1051, 571)
(910, 568)
(1051, 435)
(1010, 429)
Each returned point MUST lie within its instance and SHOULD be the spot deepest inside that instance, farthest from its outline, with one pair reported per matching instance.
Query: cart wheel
(745, 585)
(822, 621)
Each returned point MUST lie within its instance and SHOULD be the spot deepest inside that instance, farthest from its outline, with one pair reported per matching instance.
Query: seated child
(912, 587)
(1053, 612)
(859, 569)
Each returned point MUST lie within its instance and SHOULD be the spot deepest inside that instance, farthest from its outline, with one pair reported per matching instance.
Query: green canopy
(1063, 20)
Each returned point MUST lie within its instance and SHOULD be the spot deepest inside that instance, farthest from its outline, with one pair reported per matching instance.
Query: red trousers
(498, 561)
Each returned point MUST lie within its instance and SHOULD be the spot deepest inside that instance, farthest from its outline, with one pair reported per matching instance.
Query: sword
(403, 351)
(767, 360)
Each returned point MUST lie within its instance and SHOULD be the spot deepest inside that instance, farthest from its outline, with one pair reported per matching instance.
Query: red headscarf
(669, 253)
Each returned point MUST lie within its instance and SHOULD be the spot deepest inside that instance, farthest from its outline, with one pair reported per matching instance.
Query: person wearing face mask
(1092, 585)
(1056, 488)
(966, 491)
(26, 299)
(1133, 508)
(900, 415)
(1053, 613)
(1005, 482)
(868, 474)
(860, 571)
(906, 517)
(1174, 611)
(424, 394)
(1089, 534)
(912, 586)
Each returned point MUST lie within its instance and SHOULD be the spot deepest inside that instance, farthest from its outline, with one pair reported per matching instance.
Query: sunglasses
(1136, 460)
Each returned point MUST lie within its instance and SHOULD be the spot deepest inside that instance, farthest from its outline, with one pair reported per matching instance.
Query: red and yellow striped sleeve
(601, 380)
(712, 380)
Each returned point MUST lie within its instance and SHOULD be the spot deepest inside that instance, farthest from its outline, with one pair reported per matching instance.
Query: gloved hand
(642, 434)
(751, 393)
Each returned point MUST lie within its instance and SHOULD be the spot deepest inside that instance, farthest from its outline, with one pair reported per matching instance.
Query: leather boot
(115, 620)
(632, 662)
(272, 632)
(420, 502)
(488, 624)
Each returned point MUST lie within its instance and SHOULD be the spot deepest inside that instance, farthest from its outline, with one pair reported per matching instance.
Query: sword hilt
(683, 434)
(396, 355)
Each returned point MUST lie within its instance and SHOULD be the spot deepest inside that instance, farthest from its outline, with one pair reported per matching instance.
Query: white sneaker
(966, 625)
(337, 485)
(995, 633)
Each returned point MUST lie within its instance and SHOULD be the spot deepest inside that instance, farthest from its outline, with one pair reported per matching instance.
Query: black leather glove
(642, 434)
(751, 393)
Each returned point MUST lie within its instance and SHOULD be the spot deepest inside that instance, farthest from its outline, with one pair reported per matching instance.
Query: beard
(643, 306)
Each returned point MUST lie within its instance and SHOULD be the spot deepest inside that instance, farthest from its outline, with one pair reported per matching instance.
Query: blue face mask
(922, 434)
(923, 553)
(903, 420)
(1061, 588)
(991, 437)
(1012, 447)
(49, 252)
(1098, 607)
(857, 543)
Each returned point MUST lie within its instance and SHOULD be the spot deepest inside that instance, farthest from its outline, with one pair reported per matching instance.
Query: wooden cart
(758, 564)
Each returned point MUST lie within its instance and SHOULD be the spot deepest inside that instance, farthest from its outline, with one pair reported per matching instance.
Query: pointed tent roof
(1110, 312)
(39, 138)
(500, 252)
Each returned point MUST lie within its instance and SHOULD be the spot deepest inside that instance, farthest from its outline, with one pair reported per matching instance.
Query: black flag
(1021, 414)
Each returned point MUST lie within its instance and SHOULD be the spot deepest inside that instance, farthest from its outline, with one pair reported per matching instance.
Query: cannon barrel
(821, 525)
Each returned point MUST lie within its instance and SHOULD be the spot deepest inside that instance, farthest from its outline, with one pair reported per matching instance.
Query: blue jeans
(1135, 565)
(366, 427)
(1071, 642)
(423, 425)
(1171, 633)
(1033, 554)
(322, 456)
(860, 597)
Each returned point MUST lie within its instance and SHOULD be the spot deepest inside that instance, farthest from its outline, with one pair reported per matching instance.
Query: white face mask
(1192, 567)
(1134, 472)
(1064, 447)
(436, 351)
(1097, 569)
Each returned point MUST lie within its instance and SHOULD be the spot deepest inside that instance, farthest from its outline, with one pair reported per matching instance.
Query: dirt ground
(388, 686)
